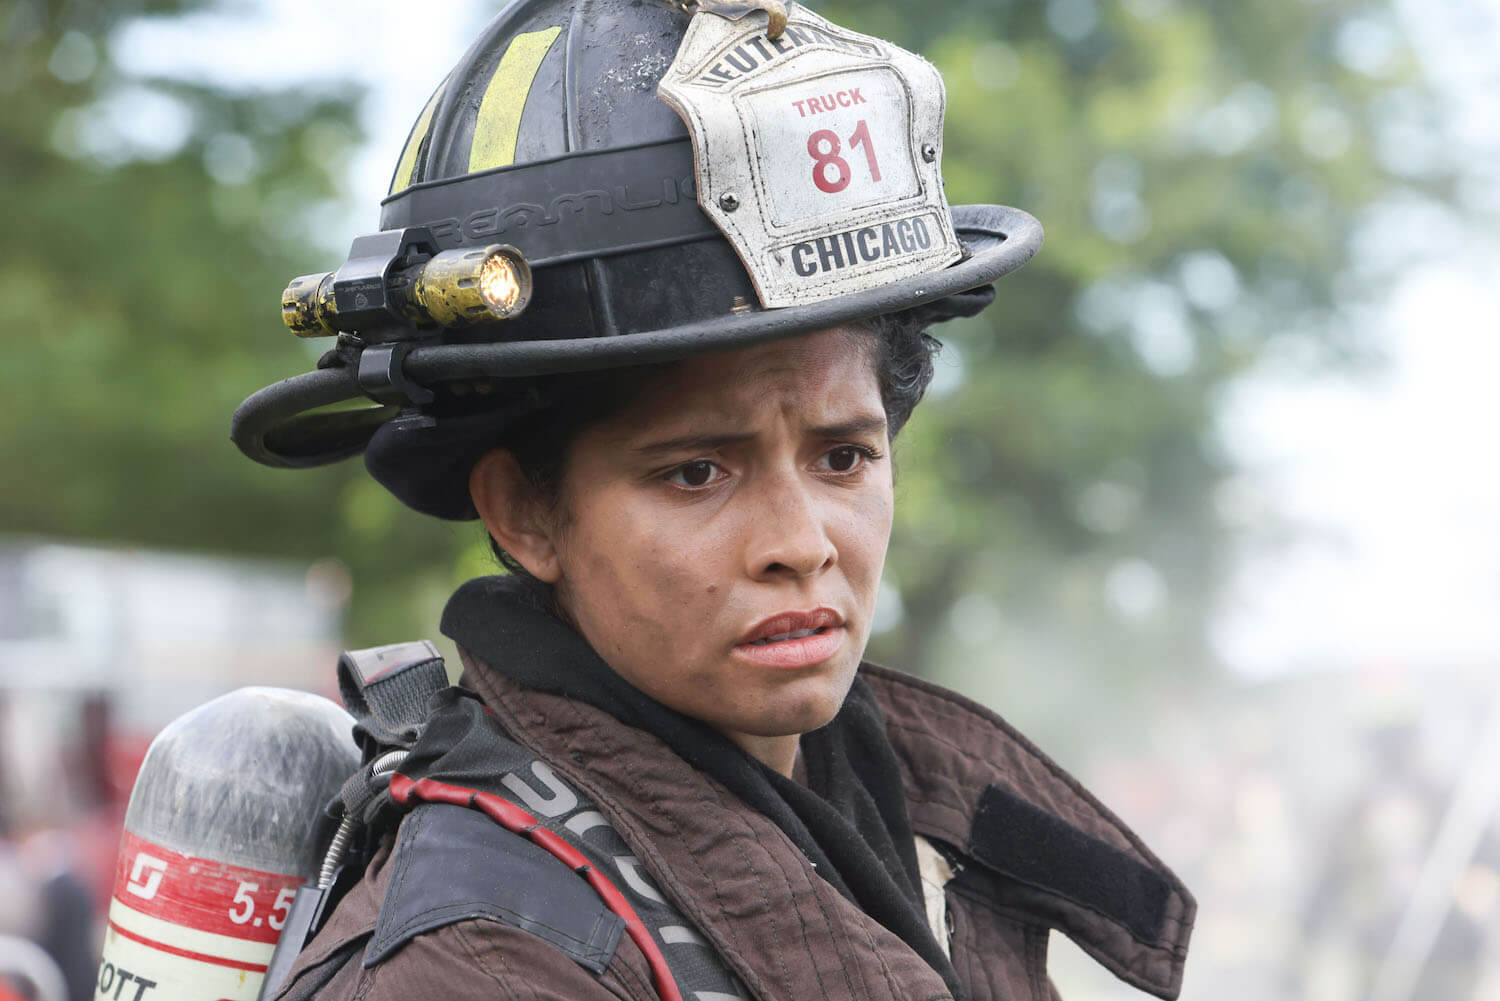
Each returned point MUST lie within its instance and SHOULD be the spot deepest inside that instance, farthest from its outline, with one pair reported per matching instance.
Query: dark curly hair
(903, 357)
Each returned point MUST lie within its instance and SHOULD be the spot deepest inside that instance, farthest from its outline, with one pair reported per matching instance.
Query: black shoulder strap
(464, 749)
(454, 864)
(386, 688)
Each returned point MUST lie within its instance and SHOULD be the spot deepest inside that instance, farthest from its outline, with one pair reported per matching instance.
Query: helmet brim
(425, 461)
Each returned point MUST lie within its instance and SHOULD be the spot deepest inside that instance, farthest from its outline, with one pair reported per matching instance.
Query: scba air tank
(225, 822)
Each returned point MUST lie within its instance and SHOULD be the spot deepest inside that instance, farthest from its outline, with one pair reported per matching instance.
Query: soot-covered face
(720, 541)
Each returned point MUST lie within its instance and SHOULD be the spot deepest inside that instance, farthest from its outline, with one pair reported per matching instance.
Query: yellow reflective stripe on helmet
(408, 162)
(499, 121)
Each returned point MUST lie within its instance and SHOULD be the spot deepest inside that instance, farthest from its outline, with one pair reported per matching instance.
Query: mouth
(793, 639)
(786, 626)
(783, 637)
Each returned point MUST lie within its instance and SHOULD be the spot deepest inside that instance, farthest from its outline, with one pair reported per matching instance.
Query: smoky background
(1206, 504)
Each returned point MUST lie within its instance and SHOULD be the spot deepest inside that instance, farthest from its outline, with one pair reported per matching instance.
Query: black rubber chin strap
(588, 204)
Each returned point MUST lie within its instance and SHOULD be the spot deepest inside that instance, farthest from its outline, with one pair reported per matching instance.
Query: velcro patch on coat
(452, 864)
(1016, 839)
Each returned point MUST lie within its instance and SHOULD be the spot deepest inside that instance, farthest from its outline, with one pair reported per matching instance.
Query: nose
(788, 534)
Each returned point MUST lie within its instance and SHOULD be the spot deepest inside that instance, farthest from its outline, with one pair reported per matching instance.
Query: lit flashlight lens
(500, 284)
(479, 285)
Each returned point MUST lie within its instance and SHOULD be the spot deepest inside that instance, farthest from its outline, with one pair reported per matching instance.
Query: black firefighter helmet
(608, 183)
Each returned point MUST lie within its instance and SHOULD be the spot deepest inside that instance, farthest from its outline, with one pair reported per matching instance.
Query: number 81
(823, 158)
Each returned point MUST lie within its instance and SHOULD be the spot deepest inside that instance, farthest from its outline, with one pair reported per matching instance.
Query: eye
(847, 458)
(698, 473)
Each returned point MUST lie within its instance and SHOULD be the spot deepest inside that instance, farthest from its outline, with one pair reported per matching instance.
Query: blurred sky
(1384, 481)
(1392, 474)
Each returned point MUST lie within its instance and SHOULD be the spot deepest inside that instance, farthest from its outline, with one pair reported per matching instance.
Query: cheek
(633, 573)
(864, 537)
(868, 525)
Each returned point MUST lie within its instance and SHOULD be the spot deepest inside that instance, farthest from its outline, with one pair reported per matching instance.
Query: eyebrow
(692, 443)
(852, 428)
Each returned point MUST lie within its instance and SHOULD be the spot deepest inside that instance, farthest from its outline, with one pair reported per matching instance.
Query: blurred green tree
(150, 225)
(1202, 170)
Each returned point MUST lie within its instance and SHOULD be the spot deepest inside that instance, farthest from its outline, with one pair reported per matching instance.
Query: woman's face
(720, 541)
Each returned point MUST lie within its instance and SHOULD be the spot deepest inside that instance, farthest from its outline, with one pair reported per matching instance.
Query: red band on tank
(201, 893)
(200, 957)
(511, 817)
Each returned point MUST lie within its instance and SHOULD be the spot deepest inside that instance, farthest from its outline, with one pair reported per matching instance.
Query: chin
(792, 716)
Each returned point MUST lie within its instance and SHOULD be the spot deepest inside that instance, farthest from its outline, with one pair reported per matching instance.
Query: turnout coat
(1030, 851)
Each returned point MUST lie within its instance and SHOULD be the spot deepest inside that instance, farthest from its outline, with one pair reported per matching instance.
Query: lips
(791, 626)
(793, 640)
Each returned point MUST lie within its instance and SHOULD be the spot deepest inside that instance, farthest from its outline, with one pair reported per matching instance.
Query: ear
(514, 513)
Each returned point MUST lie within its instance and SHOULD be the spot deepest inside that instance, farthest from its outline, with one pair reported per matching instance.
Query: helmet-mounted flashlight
(460, 287)
(394, 279)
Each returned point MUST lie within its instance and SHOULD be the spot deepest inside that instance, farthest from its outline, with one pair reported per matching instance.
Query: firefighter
(650, 302)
